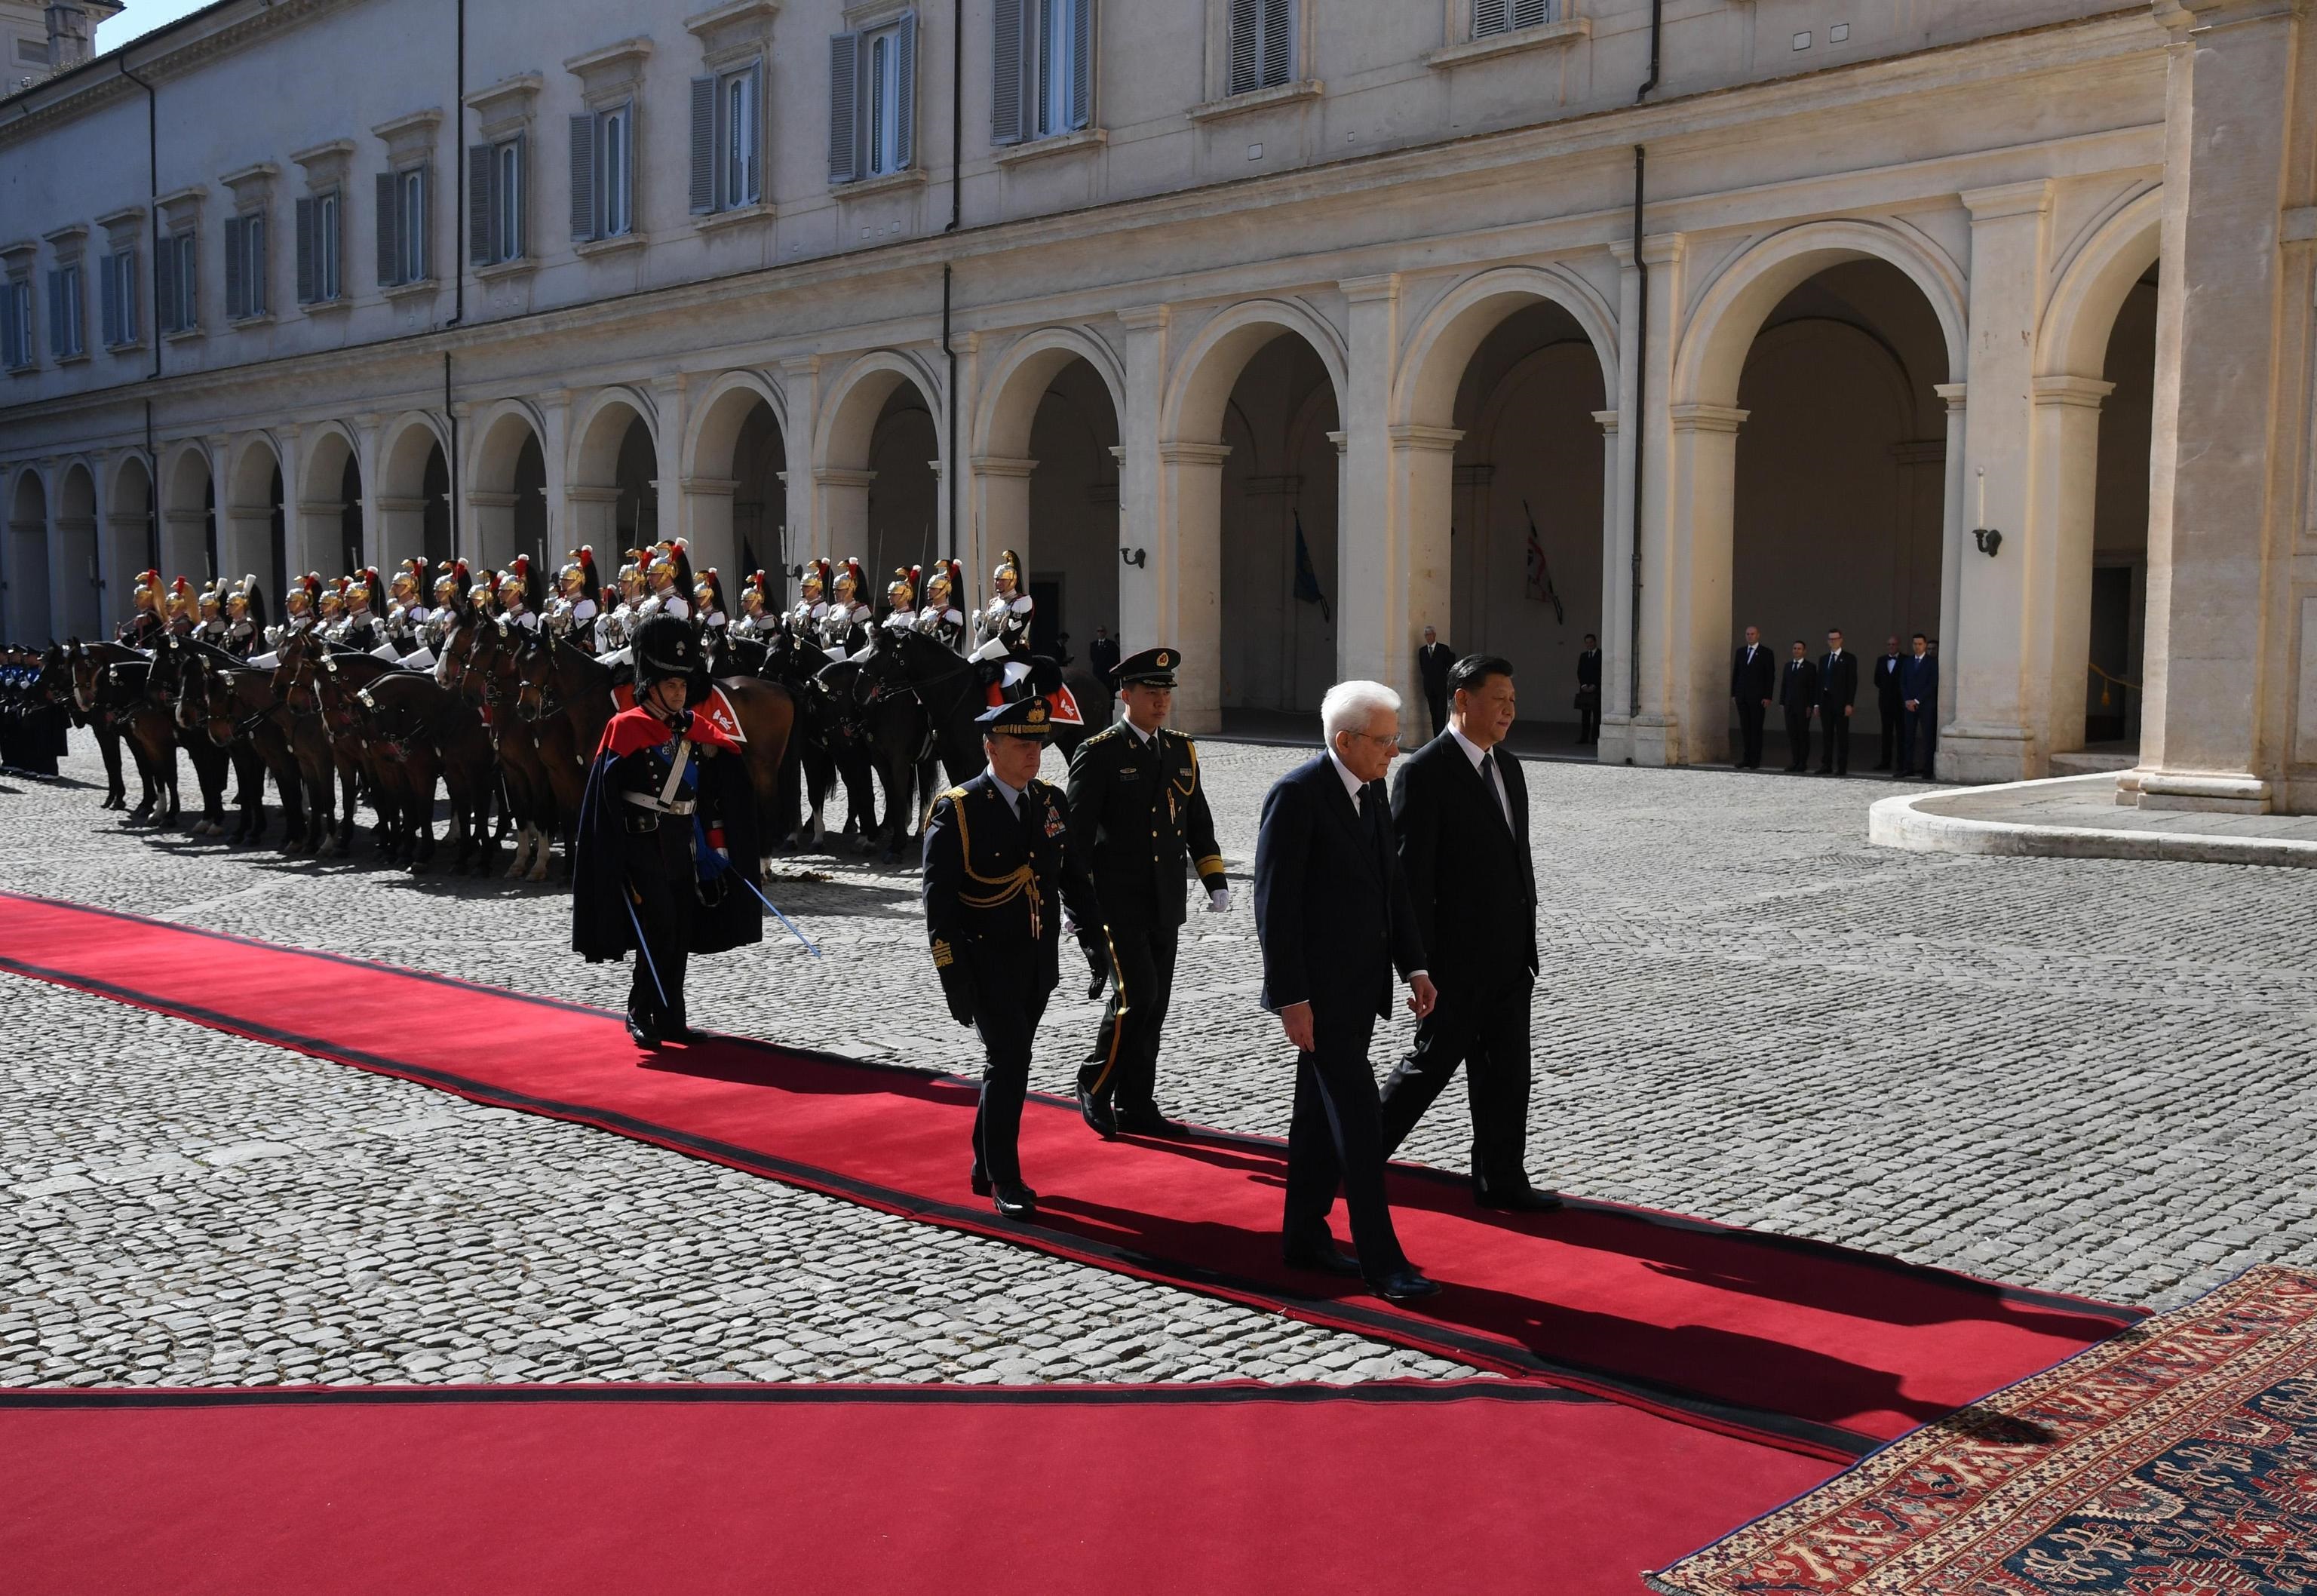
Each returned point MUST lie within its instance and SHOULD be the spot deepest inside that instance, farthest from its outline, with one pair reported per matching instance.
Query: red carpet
(1805, 1346)
(1471, 1488)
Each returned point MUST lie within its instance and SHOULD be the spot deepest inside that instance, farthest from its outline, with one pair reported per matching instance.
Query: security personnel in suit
(1137, 811)
(1798, 693)
(1431, 662)
(1837, 696)
(1752, 676)
(1589, 692)
(1886, 700)
(997, 856)
(1918, 700)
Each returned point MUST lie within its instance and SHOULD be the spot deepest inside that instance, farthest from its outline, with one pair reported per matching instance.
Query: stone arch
(857, 397)
(1210, 363)
(78, 559)
(844, 468)
(1718, 334)
(412, 494)
(1009, 402)
(1443, 343)
(2093, 285)
(328, 503)
(611, 493)
(721, 411)
(734, 457)
(506, 486)
(188, 512)
(24, 562)
(132, 530)
(252, 527)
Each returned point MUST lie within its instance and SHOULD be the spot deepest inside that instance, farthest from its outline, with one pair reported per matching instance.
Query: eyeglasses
(1389, 742)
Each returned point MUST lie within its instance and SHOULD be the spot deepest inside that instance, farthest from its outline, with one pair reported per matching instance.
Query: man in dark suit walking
(1798, 694)
(1837, 697)
(1589, 691)
(1753, 681)
(1432, 663)
(1460, 809)
(1333, 916)
(1919, 702)
(1102, 658)
(1886, 700)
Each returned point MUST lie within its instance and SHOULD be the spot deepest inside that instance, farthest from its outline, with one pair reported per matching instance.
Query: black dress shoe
(1525, 1200)
(1149, 1122)
(1404, 1286)
(1097, 1114)
(1016, 1202)
(642, 1031)
(978, 1181)
(1327, 1259)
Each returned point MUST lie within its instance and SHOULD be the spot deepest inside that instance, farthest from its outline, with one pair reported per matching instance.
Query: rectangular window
(67, 314)
(509, 238)
(176, 286)
(742, 136)
(417, 264)
(32, 52)
(245, 267)
(618, 167)
(327, 243)
(16, 325)
(872, 91)
(1043, 64)
(497, 185)
(1262, 44)
(1492, 17)
(118, 277)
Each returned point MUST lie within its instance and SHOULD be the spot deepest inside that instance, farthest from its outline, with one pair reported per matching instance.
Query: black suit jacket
(1798, 684)
(1838, 680)
(1755, 680)
(1886, 683)
(1331, 906)
(1433, 659)
(1469, 877)
(1920, 679)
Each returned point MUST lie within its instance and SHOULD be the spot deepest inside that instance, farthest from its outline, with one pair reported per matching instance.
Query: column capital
(589, 493)
(1707, 417)
(369, 421)
(1342, 440)
(1657, 249)
(488, 499)
(2085, 391)
(841, 476)
(1143, 318)
(1607, 420)
(709, 487)
(1952, 393)
(999, 465)
(1410, 435)
(1362, 291)
(409, 505)
(2031, 198)
(799, 366)
(671, 383)
(1190, 453)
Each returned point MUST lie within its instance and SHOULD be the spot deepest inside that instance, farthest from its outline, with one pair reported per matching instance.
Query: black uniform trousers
(1798, 736)
(1009, 1001)
(1123, 1069)
(1335, 1141)
(1891, 714)
(1588, 718)
(661, 893)
(1437, 703)
(1917, 728)
(1834, 746)
(1750, 714)
(1486, 1030)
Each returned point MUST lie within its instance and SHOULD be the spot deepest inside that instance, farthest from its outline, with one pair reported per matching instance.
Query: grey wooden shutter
(758, 140)
(1081, 63)
(1278, 41)
(1009, 122)
(108, 300)
(844, 107)
(128, 259)
(704, 145)
(482, 204)
(583, 178)
(1246, 45)
(165, 285)
(236, 282)
(8, 355)
(390, 229)
(306, 291)
(1491, 17)
(1531, 13)
(58, 344)
(189, 283)
(254, 296)
(905, 115)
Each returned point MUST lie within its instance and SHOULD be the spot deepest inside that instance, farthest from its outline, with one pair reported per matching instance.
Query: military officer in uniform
(998, 855)
(1137, 810)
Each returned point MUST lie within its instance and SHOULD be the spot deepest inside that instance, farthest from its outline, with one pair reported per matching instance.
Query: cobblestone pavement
(2086, 1075)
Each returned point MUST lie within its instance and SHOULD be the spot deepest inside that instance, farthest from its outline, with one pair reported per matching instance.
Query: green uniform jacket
(1138, 810)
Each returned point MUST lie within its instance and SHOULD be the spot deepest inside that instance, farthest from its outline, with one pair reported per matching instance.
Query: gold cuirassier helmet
(212, 599)
(298, 599)
(150, 594)
(811, 585)
(575, 577)
(408, 578)
(334, 599)
(364, 588)
(484, 590)
(451, 585)
(937, 586)
(236, 599)
(752, 594)
(1007, 577)
(631, 573)
(901, 592)
(849, 582)
(181, 598)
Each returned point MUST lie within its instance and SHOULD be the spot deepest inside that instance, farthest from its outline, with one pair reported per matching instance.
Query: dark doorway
(350, 519)
(436, 491)
(1046, 628)
(2106, 697)
(277, 536)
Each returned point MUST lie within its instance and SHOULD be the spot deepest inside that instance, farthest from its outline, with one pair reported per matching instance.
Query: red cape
(632, 730)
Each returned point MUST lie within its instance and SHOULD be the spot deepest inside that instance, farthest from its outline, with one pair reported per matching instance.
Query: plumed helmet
(632, 569)
(250, 597)
(149, 590)
(452, 586)
(578, 577)
(363, 586)
(901, 592)
(1008, 571)
(181, 597)
(515, 582)
(213, 597)
(666, 646)
(941, 587)
(708, 592)
(485, 588)
(409, 577)
(333, 597)
(851, 581)
(814, 580)
(752, 593)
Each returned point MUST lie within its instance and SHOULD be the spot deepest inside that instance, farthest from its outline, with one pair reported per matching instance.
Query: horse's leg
(108, 745)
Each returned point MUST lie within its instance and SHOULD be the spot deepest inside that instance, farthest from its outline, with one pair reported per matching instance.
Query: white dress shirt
(1013, 795)
(1494, 783)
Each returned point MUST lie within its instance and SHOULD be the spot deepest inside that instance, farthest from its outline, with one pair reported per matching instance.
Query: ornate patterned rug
(2177, 1459)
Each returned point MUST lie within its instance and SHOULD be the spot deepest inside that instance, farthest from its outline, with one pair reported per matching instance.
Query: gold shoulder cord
(1006, 888)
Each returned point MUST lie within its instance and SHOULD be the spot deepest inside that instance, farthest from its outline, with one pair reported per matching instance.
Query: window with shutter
(57, 349)
(165, 285)
(76, 310)
(615, 163)
(1246, 46)
(1080, 101)
(129, 325)
(254, 298)
(15, 326)
(108, 301)
(1010, 48)
(514, 181)
(1278, 42)
(417, 240)
(1508, 16)
(905, 93)
(845, 107)
(308, 273)
(482, 205)
(704, 145)
(390, 229)
(329, 234)
(189, 286)
(237, 302)
(740, 137)
(583, 178)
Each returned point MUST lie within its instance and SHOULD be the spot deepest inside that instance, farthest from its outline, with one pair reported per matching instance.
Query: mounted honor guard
(514, 595)
(300, 609)
(210, 622)
(405, 608)
(997, 856)
(181, 616)
(708, 603)
(666, 825)
(362, 629)
(330, 608)
(483, 598)
(845, 629)
(756, 618)
(939, 617)
(449, 604)
(571, 615)
(812, 602)
(146, 621)
(668, 573)
(900, 608)
(617, 625)
(1138, 812)
(1003, 624)
(245, 617)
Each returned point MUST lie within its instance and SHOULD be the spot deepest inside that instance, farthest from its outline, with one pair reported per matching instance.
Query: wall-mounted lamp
(1987, 537)
(1138, 557)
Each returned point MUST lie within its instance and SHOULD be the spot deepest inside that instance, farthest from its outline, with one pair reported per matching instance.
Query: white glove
(1219, 901)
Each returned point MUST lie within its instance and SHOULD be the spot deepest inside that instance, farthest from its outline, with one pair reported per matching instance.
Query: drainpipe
(153, 252)
(1641, 373)
(459, 264)
(956, 219)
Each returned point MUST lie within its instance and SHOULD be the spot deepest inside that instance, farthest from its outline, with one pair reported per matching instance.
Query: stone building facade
(1273, 329)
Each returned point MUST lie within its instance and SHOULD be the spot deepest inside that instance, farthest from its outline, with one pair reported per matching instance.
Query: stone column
(1146, 534)
(2060, 559)
(707, 513)
(489, 529)
(592, 515)
(843, 512)
(554, 459)
(1997, 714)
(367, 430)
(2231, 444)
(394, 530)
(1392, 557)
(1187, 566)
(75, 575)
(802, 540)
(1616, 512)
(1001, 511)
(1954, 528)
(1654, 736)
(1694, 607)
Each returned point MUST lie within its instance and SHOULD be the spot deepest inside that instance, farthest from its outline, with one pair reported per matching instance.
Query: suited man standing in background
(1837, 697)
(1798, 694)
(1333, 916)
(1886, 700)
(1432, 663)
(1919, 703)
(1589, 691)
(1460, 812)
(1753, 681)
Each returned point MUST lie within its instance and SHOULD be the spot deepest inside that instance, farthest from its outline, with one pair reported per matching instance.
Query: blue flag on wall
(1307, 576)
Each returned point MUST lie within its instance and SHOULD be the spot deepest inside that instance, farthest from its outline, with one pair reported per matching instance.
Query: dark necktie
(1495, 787)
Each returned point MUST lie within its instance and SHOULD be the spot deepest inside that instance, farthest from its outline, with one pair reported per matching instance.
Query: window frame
(247, 249)
(1510, 20)
(881, 99)
(183, 314)
(1295, 43)
(329, 244)
(16, 325)
(510, 185)
(1054, 75)
(120, 284)
(615, 171)
(414, 226)
(71, 311)
(740, 151)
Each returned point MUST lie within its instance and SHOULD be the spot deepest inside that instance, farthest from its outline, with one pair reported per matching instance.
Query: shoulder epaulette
(955, 795)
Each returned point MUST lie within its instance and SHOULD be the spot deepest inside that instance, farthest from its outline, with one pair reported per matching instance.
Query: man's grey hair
(1349, 706)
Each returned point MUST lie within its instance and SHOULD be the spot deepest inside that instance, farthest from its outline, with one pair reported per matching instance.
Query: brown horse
(110, 679)
(405, 805)
(479, 658)
(422, 733)
(196, 728)
(56, 685)
(238, 704)
(319, 767)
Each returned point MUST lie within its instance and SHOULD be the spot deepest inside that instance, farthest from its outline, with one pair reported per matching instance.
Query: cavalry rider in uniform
(667, 571)
(362, 630)
(845, 628)
(514, 595)
(210, 627)
(449, 604)
(997, 855)
(299, 612)
(901, 598)
(755, 620)
(181, 615)
(245, 617)
(330, 608)
(406, 610)
(940, 618)
(708, 600)
(812, 602)
(571, 615)
(1003, 626)
(146, 621)
(617, 625)
(666, 841)
(1137, 811)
